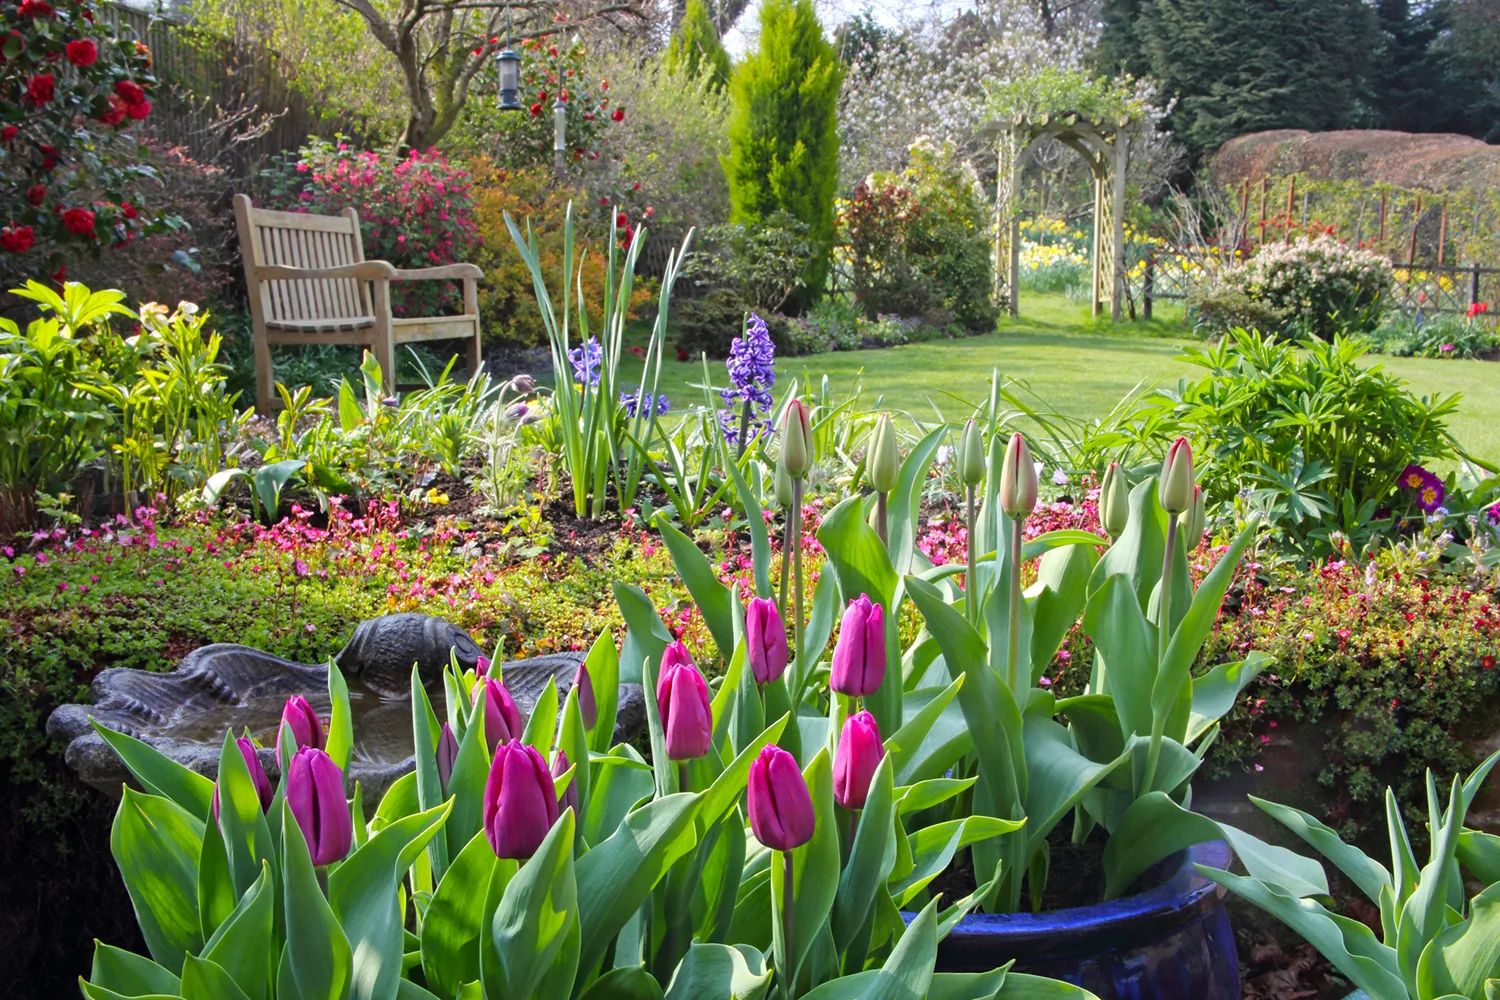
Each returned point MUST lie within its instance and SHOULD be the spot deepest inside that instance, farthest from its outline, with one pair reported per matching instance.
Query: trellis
(1105, 146)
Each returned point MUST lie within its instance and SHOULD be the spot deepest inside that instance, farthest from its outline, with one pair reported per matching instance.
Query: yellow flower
(436, 499)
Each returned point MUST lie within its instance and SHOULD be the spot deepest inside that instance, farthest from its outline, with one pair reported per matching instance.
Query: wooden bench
(309, 283)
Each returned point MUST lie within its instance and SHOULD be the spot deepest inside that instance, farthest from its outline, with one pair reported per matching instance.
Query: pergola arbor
(1105, 146)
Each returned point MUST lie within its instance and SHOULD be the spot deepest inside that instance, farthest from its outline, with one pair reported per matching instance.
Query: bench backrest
(295, 239)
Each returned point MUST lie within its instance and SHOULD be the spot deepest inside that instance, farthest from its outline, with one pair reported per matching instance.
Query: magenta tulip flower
(781, 809)
(258, 776)
(306, 730)
(447, 753)
(859, 656)
(482, 666)
(502, 719)
(860, 751)
(765, 637)
(569, 800)
(315, 792)
(588, 707)
(684, 706)
(520, 801)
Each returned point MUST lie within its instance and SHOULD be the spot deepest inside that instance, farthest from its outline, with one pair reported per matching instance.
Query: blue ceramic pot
(1173, 942)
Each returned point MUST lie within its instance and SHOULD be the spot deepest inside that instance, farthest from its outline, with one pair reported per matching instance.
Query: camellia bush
(71, 172)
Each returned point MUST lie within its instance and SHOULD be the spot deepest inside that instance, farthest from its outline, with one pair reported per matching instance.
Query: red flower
(621, 219)
(130, 91)
(36, 194)
(682, 355)
(8, 133)
(79, 221)
(61, 274)
(552, 51)
(49, 155)
(82, 52)
(35, 8)
(138, 112)
(536, 109)
(116, 113)
(619, 114)
(1487, 663)
(128, 210)
(41, 88)
(603, 201)
(16, 239)
(542, 97)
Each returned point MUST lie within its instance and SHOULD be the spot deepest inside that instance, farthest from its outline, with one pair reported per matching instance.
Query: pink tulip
(859, 656)
(683, 704)
(588, 707)
(781, 809)
(315, 792)
(765, 637)
(447, 753)
(306, 730)
(860, 751)
(520, 801)
(502, 719)
(569, 800)
(258, 776)
(1175, 489)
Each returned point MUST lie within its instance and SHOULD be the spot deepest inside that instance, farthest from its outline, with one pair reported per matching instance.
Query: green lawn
(1076, 366)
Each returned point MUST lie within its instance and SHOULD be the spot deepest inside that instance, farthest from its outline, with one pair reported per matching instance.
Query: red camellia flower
(8, 133)
(619, 114)
(130, 91)
(552, 51)
(16, 239)
(138, 112)
(116, 113)
(79, 221)
(41, 88)
(36, 194)
(536, 109)
(128, 210)
(621, 219)
(35, 8)
(82, 52)
(60, 276)
(49, 155)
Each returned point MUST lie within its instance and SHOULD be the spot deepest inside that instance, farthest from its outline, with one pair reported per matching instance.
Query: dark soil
(1275, 964)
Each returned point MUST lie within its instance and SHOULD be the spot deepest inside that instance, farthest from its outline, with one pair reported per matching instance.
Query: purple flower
(752, 373)
(315, 793)
(1427, 487)
(1493, 514)
(520, 801)
(588, 362)
(630, 400)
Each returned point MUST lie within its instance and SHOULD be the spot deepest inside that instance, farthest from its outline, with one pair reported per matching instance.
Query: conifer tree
(695, 47)
(783, 129)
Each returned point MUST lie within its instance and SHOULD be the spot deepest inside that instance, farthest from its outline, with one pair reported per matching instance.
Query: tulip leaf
(317, 962)
(1216, 692)
(616, 789)
(1020, 986)
(1462, 958)
(719, 880)
(755, 524)
(863, 566)
(871, 858)
(160, 774)
(129, 974)
(720, 971)
(1479, 853)
(535, 923)
(903, 515)
(630, 982)
(702, 581)
(815, 635)
(1348, 945)
(204, 979)
(573, 741)
(926, 794)
(1365, 872)
(603, 664)
(247, 836)
(645, 636)
(216, 895)
(93, 992)
(340, 737)
(1125, 646)
(665, 778)
(933, 848)
(541, 727)
(239, 946)
(399, 800)
(1425, 911)
(751, 924)
(1063, 575)
(452, 923)
(622, 870)
(471, 770)
(730, 784)
(425, 735)
(363, 894)
(156, 844)
(1137, 553)
(907, 972)
(815, 870)
(934, 736)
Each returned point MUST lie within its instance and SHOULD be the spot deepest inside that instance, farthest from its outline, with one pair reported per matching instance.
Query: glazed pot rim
(1175, 902)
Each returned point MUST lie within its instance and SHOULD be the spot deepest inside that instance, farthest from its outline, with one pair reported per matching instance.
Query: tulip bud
(520, 801)
(1193, 520)
(482, 666)
(258, 776)
(860, 751)
(306, 730)
(796, 440)
(502, 719)
(783, 486)
(971, 454)
(1114, 501)
(859, 656)
(587, 706)
(1018, 479)
(683, 705)
(569, 798)
(765, 639)
(447, 753)
(1176, 486)
(882, 459)
(781, 809)
(315, 793)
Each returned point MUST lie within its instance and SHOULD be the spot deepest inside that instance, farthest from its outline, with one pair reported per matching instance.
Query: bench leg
(265, 375)
(385, 345)
(471, 306)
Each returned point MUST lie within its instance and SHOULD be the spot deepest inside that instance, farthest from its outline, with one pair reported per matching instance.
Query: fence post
(1473, 285)
(1148, 285)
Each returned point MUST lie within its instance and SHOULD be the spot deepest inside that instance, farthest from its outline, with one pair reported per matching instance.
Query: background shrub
(1320, 286)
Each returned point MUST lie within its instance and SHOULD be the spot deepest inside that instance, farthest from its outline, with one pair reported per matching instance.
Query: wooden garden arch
(1105, 145)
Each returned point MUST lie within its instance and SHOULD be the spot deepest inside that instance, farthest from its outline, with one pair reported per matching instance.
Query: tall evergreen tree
(1237, 66)
(1412, 89)
(696, 48)
(783, 128)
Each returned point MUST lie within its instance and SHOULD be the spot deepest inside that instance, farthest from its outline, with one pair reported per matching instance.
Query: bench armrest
(448, 272)
(370, 270)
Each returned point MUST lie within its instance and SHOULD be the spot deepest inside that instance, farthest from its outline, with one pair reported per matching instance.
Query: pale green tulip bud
(796, 440)
(882, 460)
(1114, 501)
(1193, 520)
(1018, 479)
(783, 485)
(971, 455)
(1176, 486)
